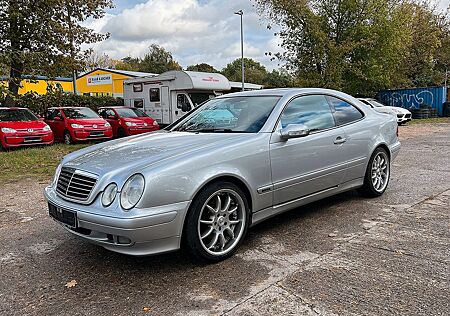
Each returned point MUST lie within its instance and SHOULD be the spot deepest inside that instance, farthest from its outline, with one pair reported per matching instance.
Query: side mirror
(185, 107)
(294, 131)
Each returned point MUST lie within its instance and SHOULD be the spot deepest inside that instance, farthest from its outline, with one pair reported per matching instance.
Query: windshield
(16, 115)
(80, 113)
(234, 114)
(129, 112)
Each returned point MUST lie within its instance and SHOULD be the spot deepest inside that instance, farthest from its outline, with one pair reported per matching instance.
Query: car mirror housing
(294, 131)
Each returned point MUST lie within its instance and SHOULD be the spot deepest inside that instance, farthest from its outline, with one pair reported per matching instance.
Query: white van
(170, 95)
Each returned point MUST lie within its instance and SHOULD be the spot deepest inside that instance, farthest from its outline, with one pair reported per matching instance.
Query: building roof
(31, 77)
(133, 74)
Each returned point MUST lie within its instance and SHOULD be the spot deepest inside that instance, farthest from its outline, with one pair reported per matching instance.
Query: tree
(93, 60)
(278, 79)
(202, 68)
(358, 46)
(129, 63)
(254, 71)
(45, 37)
(157, 60)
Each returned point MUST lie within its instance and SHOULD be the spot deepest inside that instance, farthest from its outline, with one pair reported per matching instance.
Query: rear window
(16, 115)
(80, 113)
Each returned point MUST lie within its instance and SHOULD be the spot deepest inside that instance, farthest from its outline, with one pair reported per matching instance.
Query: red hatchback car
(126, 121)
(20, 127)
(73, 124)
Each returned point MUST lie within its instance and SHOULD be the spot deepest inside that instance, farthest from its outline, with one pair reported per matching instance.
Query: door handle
(340, 140)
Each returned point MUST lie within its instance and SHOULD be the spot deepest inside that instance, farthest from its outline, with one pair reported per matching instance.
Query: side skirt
(266, 213)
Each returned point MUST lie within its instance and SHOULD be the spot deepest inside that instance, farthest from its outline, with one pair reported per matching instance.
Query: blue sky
(194, 31)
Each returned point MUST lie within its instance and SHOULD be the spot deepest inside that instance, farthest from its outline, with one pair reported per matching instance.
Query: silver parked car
(227, 165)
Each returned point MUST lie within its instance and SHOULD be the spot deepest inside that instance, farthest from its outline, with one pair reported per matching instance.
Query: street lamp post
(241, 13)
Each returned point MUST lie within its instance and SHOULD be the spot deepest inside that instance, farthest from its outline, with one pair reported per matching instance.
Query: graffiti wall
(413, 98)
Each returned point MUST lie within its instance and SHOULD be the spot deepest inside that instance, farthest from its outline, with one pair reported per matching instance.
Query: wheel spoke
(234, 209)
(214, 241)
(227, 203)
(213, 210)
(222, 240)
(233, 222)
(211, 229)
(219, 203)
(230, 231)
(207, 222)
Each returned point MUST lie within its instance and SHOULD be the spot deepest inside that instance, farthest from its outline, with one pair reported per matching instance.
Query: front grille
(399, 115)
(96, 133)
(32, 139)
(75, 184)
(408, 115)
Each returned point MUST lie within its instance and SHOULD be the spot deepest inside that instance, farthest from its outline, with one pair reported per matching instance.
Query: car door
(310, 164)
(56, 122)
(358, 135)
(112, 117)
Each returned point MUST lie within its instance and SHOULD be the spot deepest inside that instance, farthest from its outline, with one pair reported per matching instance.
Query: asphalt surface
(342, 256)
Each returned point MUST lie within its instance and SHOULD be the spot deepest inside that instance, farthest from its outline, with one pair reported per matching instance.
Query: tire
(213, 233)
(121, 133)
(68, 138)
(375, 183)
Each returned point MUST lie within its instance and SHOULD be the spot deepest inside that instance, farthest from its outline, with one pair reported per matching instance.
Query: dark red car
(73, 124)
(126, 121)
(20, 127)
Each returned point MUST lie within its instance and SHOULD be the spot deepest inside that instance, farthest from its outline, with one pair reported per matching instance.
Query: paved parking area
(341, 256)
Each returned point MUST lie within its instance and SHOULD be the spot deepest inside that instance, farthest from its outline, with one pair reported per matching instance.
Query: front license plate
(66, 217)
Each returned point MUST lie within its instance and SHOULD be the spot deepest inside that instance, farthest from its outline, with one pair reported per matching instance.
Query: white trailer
(170, 95)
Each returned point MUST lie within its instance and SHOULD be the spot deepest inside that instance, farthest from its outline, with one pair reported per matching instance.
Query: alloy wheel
(380, 172)
(221, 222)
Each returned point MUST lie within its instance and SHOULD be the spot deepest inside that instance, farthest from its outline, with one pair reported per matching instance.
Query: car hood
(24, 125)
(92, 121)
(135, 153)
(402, 110)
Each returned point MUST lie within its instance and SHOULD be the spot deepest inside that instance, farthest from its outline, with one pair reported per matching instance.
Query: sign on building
(99, 79)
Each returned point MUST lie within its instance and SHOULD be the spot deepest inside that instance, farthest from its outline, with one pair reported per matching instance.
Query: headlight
(77, 125)
(46, 128)
(130, 124)
(107, 124)
(8, 130)
(132, 191)
(397, 111)
(109, 194)
(55, 177)
(155, 123)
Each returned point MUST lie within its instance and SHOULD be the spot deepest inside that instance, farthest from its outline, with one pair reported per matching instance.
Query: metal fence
(414, 98)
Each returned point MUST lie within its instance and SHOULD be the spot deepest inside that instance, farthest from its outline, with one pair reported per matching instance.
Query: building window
(138, 103)
(154, 95)
(137, 87)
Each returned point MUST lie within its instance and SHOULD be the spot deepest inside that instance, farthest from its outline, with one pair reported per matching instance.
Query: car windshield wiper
(212, 130)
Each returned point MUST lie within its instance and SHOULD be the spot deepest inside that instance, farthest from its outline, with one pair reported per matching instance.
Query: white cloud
(194, 31)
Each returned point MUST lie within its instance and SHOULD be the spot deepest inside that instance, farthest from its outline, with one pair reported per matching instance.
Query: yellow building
(102, 81)
(39, 84)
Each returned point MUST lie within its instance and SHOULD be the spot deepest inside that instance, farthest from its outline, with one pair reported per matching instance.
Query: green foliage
(203, 67)
(360, 46)
(256, 73)
(39, 103)
(157, 60)
(45, 37)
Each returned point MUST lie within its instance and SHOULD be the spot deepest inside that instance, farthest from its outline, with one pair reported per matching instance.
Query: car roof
(12, 108)
(67, 107)
(281, 92)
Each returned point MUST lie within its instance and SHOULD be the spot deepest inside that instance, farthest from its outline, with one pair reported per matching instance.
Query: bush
(39, 103)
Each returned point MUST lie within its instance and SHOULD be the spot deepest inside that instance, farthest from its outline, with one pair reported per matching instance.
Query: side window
(138, 103)
(49, 115)
(137, 87)
(102, 113)
(110, 112)
(344, 112)
(154, 95)
(58, 114)
(313, 111)
(183, 103)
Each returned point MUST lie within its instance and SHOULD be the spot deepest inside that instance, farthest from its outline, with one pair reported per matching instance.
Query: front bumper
(27, 139)
(403, 118)
(138, 232)
(92, 134)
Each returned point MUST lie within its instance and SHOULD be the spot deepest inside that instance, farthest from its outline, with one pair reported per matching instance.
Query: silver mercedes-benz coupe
(229, 164)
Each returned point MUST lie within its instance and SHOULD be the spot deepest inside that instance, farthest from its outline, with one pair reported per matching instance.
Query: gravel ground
(341, 256)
